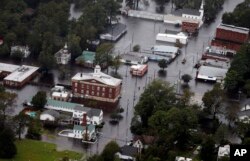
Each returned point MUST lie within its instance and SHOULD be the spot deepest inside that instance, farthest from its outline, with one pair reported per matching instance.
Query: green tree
(232, 113)
(207, 149)
(212, 99)
(21, 120)
(112, 8)
(116, 63)
(104, 54)
(247, 87)
(46, 60)
(186, 78)
(108, 154)
(221, 133)
(17, 55)
(4, 50)
(7, 99)
(163, 64)
(39, 100)
(74, 45)
(136, 48)
(159, 95)
(7, 146)
(175, 124)
(34, 130)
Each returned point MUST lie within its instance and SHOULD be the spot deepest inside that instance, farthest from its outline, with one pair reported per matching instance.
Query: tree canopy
(239, 72)
(240, 16)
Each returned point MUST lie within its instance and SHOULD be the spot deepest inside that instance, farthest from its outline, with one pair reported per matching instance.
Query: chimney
(84, 120)
(81, 74)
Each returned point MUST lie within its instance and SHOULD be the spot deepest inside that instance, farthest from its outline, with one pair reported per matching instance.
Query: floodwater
(140, 32)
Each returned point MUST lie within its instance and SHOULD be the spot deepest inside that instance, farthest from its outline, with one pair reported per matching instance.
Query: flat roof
(179, 35)
(98, 76)
(174, 18)
(8, 67)
(211, 73)
(233, 28)
(165, 49)
(21, 73)
(60, 94)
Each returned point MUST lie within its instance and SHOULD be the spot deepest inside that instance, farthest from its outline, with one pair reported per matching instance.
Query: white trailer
(181, 37)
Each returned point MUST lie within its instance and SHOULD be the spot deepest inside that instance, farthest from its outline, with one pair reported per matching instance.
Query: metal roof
(165, 49)
(91, 127)
(21, 73)
(87, 56)
(234, 28)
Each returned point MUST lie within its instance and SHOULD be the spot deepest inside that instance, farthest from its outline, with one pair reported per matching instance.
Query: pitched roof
(91, 127)
(128, 150)
(87, 56)
(98, 76)
(74, 106)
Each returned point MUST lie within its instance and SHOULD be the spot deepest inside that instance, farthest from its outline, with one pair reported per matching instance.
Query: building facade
(96, 86)
(20, 76)
(190, 26)
(63, 56)
(229, 38)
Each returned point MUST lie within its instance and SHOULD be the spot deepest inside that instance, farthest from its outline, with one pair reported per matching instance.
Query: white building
(94, 116)
(224, 151)
(20, 76)
(178, 158)
(63, 56)
(49, 115)
(163, 50)
(173, 38)
(80, 132)
(22, 49)
(61, 96)
(209, 73)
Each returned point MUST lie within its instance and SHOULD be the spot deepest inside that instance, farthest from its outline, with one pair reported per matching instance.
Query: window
(93, 87)
(81, 91)
(98, 94)
(87, 92)
(98, 88)
(110, 96)
(110, 90)
(82, 85)
(103, 94)
(103, 89)
(92, 93)
(87, 86)
(76, 84)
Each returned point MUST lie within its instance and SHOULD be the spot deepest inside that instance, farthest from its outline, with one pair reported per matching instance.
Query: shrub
(136, 48)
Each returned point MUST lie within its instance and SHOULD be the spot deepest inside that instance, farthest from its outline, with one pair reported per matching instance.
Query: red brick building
(96, 86)
(229, 38)
(190, 26)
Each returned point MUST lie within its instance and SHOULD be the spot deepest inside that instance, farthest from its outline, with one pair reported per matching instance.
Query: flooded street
(142, 32)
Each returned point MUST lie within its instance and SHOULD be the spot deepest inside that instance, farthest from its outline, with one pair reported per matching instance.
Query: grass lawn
(32, 150)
